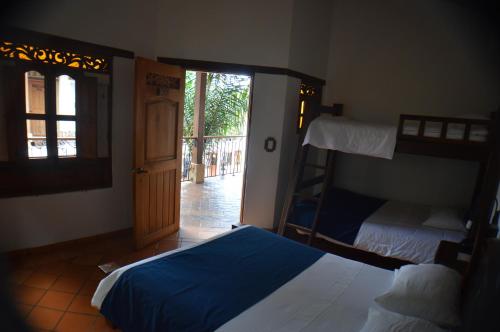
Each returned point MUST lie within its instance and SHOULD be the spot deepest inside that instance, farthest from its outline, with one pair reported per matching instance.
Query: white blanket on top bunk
(346, 135)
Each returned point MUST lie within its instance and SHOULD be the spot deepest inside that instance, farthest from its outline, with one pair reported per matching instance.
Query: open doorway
(216, 112)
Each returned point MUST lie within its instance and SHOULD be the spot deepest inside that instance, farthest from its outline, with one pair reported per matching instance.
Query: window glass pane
(66, 138)
(37, 139)
(35, 92)
(65, 95)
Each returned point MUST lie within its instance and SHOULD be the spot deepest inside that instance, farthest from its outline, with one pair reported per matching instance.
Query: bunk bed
(379, 232)
(250, 279)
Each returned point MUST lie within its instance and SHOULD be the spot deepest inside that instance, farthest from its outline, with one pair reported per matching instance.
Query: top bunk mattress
(350, 136)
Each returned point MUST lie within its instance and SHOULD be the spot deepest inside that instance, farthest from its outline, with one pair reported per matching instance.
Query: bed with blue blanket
(247, 279)
(387, 228)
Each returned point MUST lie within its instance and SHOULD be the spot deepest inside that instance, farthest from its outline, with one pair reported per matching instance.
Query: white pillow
(427, 291)
(446, 218)
(380, 320)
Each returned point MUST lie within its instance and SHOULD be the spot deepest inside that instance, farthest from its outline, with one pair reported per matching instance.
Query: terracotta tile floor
(52, 291)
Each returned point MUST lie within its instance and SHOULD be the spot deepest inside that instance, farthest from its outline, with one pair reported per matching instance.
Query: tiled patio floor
(209, 208)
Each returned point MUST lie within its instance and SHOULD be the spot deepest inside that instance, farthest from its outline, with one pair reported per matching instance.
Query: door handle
(139, 170)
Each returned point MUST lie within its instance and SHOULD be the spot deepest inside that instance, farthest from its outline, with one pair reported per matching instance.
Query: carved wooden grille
(162, 81)
(307, 90)
(54, 57)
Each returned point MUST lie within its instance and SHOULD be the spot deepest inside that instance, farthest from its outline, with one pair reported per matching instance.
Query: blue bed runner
(342, 214)
(202, 288)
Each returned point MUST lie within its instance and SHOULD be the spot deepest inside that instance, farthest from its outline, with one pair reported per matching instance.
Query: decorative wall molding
(50, 56)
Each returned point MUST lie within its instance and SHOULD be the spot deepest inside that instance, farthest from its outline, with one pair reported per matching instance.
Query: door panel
(156, 202)
(158, 150)
(161, 121)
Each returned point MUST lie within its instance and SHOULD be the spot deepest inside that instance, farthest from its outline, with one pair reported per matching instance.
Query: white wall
(289, 141)
(248, 32)
(126, 24)
(419, 57)
(310, 36)
(268, 111)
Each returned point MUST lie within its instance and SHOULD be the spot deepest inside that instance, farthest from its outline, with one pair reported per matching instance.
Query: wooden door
(159, 110)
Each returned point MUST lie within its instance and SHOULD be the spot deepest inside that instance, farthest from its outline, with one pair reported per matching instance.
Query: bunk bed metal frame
(485, 152)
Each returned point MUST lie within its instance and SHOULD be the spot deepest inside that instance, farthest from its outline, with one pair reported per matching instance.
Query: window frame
(50, 116)
(24, 176)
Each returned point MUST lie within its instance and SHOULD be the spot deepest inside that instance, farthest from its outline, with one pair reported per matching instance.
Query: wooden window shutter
(87, 118)
(16, 125)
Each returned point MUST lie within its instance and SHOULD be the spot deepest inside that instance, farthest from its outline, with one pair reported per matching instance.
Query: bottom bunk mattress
(388, 228)
(244, 280)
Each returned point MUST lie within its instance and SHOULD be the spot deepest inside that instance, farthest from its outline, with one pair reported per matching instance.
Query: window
(54, 120)
(38, 117)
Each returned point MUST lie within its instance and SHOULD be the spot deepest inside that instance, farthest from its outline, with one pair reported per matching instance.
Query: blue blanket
(342, 214)
(202, 288)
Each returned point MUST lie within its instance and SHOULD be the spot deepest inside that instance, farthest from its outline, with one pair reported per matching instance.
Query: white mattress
(346, 135)
(395, 230)
(333, 294)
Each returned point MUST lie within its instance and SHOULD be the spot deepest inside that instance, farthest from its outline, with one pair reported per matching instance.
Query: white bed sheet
(346, 135)
(395, 230)
(333, 294)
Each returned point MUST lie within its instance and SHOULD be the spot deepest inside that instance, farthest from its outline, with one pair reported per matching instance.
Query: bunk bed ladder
(296, 185)
(324, 189)
(296, 179)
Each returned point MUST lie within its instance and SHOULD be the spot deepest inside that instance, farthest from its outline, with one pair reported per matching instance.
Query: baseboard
(70, 243)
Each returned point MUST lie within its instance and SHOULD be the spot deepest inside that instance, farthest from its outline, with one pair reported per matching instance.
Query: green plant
(226, 104)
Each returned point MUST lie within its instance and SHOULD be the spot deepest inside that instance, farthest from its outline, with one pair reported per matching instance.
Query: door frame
(229, 70)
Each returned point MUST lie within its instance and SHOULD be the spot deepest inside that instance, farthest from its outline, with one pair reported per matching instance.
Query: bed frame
(485, 152)
(465, 148)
